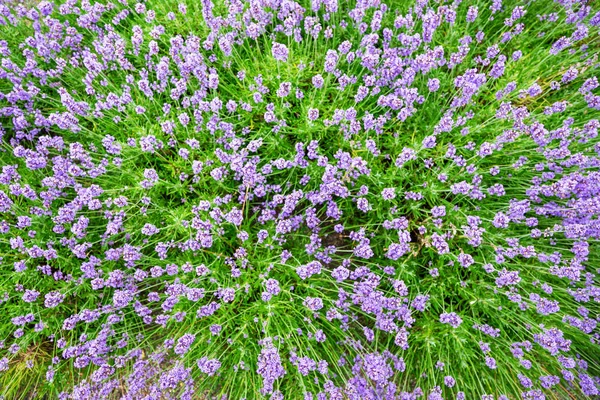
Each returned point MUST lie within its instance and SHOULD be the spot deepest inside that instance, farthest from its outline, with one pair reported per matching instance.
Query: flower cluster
(299, 199)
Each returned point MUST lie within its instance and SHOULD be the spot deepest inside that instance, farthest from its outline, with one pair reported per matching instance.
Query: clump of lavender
(303, 200)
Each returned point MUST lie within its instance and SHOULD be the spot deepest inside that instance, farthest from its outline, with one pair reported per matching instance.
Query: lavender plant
(302, 200)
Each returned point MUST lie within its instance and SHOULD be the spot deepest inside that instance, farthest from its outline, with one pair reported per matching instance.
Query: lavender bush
(303, 200)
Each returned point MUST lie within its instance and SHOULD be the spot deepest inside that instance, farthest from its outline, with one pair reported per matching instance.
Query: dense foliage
(334, 199)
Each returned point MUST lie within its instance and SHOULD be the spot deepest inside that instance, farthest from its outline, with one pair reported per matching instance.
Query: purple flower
(440, 244)
(451, 319)
(184, 343)
(53, 299)
(283, 91)
(507, 278)
(466, 260)
(226, 294)
(306, 271)
(363, 205)
(340, 273)
(388, 193)
(280, 52)
(376, 368)
(122, 298)
(401, 339)
(570, 75)
(438, 211)
(406, 155)
(419, 302)
(433, 84)
(490, 362)
(429, 142)
(306, 365)
(5, 202)
(313, 303)
(472, 14)
(30, 296)
(363, 250)
(149, 230)
(397, 250)
(272, 286)
(500, 220)
(151, 178)
(269, 365)
(209, 366)
(317, 81)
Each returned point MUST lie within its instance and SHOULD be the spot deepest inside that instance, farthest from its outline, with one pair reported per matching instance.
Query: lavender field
(312, 200)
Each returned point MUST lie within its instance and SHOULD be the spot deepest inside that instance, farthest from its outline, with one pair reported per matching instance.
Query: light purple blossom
(451, 319)
(313, 114)
(53, 299)
(208, 366)
(280, 52)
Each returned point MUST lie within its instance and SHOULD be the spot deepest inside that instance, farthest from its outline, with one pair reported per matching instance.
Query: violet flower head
(451, 319)
(280, 52)
(208, 366)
